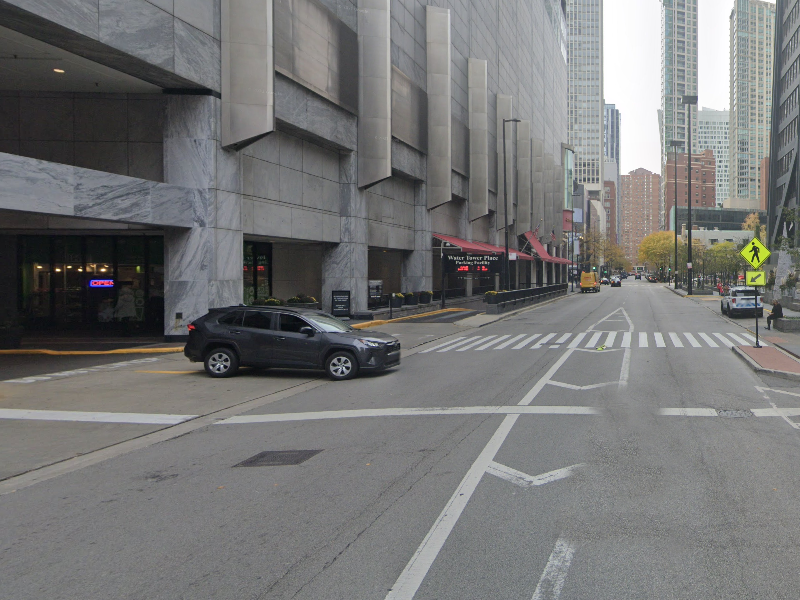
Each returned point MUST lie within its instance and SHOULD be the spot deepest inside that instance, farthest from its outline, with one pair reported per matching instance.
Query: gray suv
(257, 336)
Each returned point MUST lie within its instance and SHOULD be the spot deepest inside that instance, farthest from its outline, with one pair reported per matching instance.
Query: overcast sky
(632, 62)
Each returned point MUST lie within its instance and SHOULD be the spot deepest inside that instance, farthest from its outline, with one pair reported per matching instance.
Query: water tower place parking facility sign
(473, 263)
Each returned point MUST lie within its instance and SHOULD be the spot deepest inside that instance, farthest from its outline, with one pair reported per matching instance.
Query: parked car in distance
(637, 276)
(590, 282)
(616, 282)
(258, 336)
(740, 301)
(604, 281)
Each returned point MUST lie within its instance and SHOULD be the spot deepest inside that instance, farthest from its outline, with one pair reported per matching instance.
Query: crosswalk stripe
(593, 340)
(527, 341)
(626, 339)
(642, 339)
(738, 340)
(461, 343)
(563, 338)
(752, 338)
(610, 339)
(544, 340)
(509, 342)
(441, 345)
(676, 340)
(707, 339)
(692, 340)
(724, 340)
(493, 342)
(473, 344)
(659, 340)
(576, 342)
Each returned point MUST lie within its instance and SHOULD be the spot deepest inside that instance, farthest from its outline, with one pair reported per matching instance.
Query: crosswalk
(595, 339)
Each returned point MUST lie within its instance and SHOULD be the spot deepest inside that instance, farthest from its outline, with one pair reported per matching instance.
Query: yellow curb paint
(416, 316)
(92, 352)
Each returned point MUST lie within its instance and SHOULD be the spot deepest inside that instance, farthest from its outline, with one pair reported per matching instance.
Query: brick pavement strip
(772, 358)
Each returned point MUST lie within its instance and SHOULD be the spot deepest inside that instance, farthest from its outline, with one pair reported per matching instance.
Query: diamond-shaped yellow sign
(755, 253)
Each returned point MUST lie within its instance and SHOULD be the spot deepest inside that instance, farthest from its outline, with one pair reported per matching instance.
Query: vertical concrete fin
(374, 92)
(478, 82)
(440, 159)
(504, 111)
(248, 72)
(523, 176)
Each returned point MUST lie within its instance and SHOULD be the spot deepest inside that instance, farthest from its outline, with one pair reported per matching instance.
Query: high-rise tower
(586, 104)
(712, 134)
(678, 79)
(752, 31)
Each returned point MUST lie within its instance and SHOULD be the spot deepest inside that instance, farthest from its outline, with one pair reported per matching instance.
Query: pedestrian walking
(777, 313)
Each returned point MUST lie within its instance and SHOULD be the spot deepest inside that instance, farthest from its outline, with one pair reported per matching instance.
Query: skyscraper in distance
(752, 36)
(639, 205)
(712, 134)
(678, 79)
(586, 104)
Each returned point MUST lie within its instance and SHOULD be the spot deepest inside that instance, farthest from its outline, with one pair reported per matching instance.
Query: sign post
(755, 254)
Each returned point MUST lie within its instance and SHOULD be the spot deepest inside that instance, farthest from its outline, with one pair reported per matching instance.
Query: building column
(345, 265)
(418, 264)
(9, 278)
(203, 265)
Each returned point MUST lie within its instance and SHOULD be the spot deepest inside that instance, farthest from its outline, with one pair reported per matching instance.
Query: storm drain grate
(278, 458)
(733, 414)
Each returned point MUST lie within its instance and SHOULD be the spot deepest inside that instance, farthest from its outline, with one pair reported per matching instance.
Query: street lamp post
(689, 101)
(506, 265)
(675, 144)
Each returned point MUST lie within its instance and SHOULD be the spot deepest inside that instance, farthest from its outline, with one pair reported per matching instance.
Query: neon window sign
(101, 283)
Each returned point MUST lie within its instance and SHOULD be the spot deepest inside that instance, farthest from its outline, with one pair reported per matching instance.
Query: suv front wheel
(341, 365)
(221, 362)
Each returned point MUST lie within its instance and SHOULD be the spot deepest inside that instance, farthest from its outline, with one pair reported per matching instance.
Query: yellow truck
(590, 282)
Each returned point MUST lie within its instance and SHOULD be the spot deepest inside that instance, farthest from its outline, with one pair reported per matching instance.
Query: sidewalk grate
(278, 458)
(733, 414)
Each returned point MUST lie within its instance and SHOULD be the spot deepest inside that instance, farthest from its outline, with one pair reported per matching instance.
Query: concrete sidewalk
(770, 360)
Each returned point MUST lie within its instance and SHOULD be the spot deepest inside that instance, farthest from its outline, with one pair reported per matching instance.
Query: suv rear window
(748, 293)
(232, 318)
(258, 320)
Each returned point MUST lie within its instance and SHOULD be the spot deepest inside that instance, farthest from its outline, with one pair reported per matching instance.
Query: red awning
(479, 247)
(539, 249)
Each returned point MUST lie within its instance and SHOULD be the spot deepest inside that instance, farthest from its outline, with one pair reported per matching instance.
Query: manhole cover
(733, 414)
(278, 458)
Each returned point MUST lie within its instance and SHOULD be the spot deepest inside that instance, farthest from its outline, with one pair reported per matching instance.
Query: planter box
(491, 299)
(396, 302)
(411, 300)
(786, 324)
(312, 305)
(425, 298)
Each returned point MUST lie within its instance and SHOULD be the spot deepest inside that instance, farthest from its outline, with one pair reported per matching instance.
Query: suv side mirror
(309, 331)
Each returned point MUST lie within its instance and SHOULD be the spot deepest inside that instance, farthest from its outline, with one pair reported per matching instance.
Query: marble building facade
(344, 134)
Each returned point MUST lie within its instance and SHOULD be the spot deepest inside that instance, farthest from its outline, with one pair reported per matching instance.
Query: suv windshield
(328, 324)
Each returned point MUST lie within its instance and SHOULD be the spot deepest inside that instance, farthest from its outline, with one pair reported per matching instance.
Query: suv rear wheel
(221, 362)
(341, 365)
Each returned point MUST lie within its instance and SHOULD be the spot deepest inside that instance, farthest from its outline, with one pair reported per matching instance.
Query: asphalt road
(498, 466)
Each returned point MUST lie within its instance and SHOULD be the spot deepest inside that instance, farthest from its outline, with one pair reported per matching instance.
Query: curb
(367, 324)
(521, 310)
(759, 369)
(29, 351)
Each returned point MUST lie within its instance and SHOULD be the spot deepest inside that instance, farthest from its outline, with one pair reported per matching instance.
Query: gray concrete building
(161, 157)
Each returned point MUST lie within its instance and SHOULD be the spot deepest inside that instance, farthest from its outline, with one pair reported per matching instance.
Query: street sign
(755, 253)
(756, 278)
(688, 265)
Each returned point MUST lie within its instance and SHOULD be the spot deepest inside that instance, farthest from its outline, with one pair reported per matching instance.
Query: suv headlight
(370, 343)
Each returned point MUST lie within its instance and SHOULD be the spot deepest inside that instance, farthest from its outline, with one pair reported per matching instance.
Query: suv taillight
(733, 300)
(192, 327)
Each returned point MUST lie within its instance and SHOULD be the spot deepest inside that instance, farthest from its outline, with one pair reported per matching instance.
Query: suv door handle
(279, 339)
(234, 332)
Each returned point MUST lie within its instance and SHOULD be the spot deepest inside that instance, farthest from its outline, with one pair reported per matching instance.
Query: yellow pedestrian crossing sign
(755, 253)
(756, 278)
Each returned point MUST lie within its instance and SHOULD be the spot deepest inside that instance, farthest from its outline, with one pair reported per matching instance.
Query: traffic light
(594, 268)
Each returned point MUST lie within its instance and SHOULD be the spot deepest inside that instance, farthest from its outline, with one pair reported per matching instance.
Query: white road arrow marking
(526, 481)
